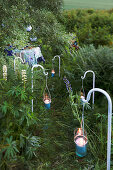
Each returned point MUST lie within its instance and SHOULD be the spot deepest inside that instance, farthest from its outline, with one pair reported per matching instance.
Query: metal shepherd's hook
(16, 58)
(109, 121)
(45, 73)
(59, 62)
(83, 77)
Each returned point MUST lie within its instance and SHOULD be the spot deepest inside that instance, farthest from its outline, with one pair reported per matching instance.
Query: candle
(81, 145)
(47, 103)
(80, 142)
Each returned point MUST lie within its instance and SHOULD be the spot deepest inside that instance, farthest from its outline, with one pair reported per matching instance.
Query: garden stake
(36, 66)
(59, 65)
(109, 121)
(83, 77)
(16, 59)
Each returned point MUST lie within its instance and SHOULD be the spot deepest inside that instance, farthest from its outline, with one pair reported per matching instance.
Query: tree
(50, 5)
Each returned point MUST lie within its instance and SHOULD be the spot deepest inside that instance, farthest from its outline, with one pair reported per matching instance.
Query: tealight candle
(47, 103)
(80, 142)
(81, 146)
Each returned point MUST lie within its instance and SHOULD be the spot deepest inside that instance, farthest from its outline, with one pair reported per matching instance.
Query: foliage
(91, 27)
(44, 139)
(90, 5)
(50, 5)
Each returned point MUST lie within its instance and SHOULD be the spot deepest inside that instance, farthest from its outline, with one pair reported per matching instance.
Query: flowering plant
(68, 85)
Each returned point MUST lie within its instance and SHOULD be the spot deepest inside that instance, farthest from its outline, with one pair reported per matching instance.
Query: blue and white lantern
(81, 141)
(47, 101)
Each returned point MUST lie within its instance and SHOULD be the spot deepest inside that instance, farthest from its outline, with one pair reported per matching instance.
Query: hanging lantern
(52, 73)
(80, 139)
(47, 96)
(29, 28)
(5, 72)
(47, 100)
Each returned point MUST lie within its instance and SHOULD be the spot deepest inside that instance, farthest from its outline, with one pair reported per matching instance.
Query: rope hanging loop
(47, 96)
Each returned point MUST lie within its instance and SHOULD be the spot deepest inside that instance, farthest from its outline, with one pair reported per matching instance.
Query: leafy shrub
(91, 28)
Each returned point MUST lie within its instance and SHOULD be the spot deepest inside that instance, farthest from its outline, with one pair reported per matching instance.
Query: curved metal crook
(38, 65)
(59, 62)
(109, 121)
(16, 59)
(83, 77)
(45, 73)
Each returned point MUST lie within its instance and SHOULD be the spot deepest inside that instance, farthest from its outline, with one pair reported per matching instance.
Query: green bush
(93, 27)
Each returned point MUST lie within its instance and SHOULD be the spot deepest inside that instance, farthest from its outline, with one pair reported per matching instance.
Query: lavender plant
(68, 85)
(74, 106)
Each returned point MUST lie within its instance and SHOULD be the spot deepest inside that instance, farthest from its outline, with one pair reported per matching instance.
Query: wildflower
(5, 72)
(68, 85)
(24, 76)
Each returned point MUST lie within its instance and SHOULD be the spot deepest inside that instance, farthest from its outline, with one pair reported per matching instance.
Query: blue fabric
(41, 59)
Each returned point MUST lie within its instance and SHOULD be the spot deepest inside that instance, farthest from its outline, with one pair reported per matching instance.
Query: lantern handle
(47, 89)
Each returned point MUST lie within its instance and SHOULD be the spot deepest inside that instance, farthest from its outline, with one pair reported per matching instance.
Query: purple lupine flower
(68, 85)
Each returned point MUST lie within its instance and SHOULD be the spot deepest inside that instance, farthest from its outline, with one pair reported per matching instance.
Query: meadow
(97, 4)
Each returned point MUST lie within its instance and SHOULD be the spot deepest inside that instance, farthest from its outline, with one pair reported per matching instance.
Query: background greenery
(44, 139)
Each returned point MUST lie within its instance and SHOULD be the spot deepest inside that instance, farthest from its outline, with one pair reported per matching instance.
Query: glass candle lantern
(47, 101)
(52, 73)
(80, 139)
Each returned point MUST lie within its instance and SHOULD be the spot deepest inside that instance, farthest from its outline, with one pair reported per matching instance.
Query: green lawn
(96, 4)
